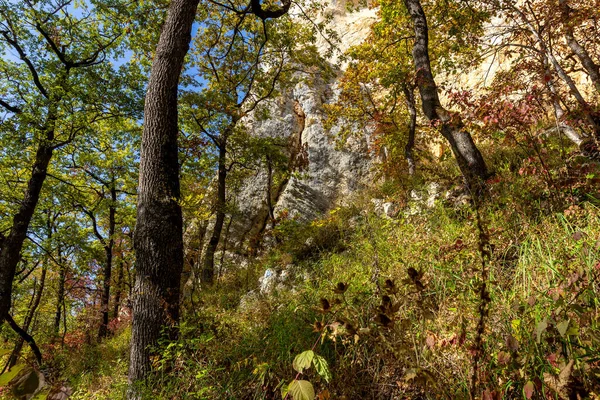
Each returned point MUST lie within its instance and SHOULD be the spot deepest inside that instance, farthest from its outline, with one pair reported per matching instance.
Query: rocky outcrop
(321, 172)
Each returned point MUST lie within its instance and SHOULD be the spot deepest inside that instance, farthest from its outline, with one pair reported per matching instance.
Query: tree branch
(26, 337)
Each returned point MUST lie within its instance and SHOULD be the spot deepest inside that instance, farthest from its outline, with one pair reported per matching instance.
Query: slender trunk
(159, 230)
(409, 96)
(559, 112)
(108, 250)
(225, 243)
(60, 293)
(10, 254)
(208, 269)
(28, 318)
(270, 205)
(468, 157)
(26, 337)
(582, 54)
(118, 290)
(592, 118)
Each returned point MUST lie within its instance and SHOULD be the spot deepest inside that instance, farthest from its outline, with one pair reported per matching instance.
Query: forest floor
(379, 307)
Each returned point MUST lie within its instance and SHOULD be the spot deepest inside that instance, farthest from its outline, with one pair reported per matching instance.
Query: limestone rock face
(324, 172)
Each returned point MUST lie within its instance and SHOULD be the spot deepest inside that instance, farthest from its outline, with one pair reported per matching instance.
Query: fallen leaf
(540, 328)
(528, 390)
(562, 327)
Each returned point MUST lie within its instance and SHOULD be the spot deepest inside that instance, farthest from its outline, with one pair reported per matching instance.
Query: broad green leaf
(302, 390)
(303, 360)
(540, 328)
(562, 327)
(9, 375)
(322, 368)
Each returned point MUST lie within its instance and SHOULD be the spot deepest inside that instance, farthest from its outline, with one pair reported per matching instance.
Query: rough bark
(468, 157)
(208, 268)
(158, 240)
(10, 254)
(108, 251)
(409, 96)
(580, 52)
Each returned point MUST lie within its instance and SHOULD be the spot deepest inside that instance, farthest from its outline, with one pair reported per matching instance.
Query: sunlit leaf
(322, 368)
(302, 390)
(9, 375)
(303, 360)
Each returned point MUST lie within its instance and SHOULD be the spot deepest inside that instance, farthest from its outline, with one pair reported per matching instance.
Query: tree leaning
(467, 155)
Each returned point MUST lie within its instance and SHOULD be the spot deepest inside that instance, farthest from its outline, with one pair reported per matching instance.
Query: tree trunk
(108, 250)
(592, 118)
(158, 240)
(559, 112)
(208, 269)
(118, 290)
(409, 96)
(582, 54)
(60, 293)
(28, 318)
(468, 157)
(225, 244)
(10, 254)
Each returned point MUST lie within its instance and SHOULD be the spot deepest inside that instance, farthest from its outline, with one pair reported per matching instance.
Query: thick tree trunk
(10, 254)
(108, 250)
(158, 235)
(208, 268)
(582, 54)
(468, 157)
(409, 96)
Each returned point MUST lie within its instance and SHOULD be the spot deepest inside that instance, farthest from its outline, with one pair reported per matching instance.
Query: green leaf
(302, 390)
(540, 328)
(284, 390)
(9, 375)
(516, 324)
(41, 396)
(562, 327)
(303, 360)
(322, 368)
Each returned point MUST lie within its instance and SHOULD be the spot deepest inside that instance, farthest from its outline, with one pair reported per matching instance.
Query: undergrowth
(391, 304)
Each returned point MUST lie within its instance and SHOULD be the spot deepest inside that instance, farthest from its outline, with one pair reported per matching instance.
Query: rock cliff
(323, 173)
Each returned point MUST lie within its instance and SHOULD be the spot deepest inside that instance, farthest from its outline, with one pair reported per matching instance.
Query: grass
(543, 313)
